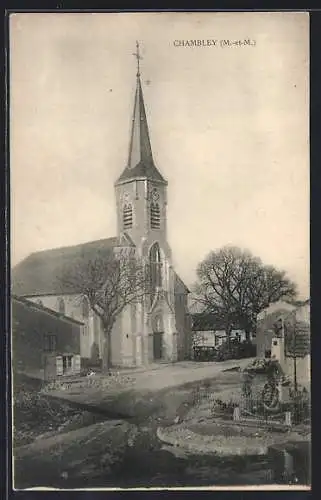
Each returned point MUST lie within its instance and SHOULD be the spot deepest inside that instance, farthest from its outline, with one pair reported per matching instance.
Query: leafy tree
(235, 286)
(111, 282)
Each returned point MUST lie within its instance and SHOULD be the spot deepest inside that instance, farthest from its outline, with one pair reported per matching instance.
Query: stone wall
(91, 338)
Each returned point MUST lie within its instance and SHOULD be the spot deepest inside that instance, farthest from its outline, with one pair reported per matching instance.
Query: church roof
(38, 274)
(140, 159)
(180, 286)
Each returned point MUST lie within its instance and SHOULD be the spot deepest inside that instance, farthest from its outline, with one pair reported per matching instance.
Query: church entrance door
(158, 345)
(158, 338)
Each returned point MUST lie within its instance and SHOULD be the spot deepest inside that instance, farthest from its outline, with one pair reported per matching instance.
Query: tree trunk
(106, 361)
(250, 327)
(228, 330)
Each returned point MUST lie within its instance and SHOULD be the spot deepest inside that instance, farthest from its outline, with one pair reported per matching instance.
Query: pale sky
(229, 129)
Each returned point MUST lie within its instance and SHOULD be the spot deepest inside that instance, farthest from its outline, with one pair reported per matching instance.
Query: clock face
(155, 195)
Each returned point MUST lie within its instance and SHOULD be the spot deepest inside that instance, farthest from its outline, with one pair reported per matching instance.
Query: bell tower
(141, 190)
(141, 199)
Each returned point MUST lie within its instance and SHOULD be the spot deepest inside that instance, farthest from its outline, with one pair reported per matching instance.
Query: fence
(291, 413)
(252, 404)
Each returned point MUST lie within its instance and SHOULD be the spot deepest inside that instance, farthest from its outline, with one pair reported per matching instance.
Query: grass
(35, 415)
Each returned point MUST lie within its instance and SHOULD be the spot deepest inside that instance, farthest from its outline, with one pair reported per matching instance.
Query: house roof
(39, 273)
(206, 321)
(140, 158)
(40, 308)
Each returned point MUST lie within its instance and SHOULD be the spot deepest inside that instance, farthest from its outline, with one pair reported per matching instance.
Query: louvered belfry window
(154, 216)
(127, 216)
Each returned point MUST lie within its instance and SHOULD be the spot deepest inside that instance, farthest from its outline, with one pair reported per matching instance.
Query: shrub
(224, 407)
(258, 365)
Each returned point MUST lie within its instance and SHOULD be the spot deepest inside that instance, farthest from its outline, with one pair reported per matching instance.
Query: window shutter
(76, 363)
(59, 365)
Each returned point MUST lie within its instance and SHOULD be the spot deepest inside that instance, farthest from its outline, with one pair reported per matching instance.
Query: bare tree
(111, 282)
(235, 286)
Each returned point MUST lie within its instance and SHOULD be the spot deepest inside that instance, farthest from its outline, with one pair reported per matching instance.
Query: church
(158, 328)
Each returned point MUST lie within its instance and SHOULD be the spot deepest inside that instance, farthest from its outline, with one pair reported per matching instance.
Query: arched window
(127, 216)
(155, 269)
(61, 306)
(85, 307)
(154, 216)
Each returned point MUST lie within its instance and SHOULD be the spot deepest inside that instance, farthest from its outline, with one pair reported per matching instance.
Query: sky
(229, 128)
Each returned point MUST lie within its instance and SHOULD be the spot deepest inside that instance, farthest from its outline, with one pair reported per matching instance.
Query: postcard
(159, 176)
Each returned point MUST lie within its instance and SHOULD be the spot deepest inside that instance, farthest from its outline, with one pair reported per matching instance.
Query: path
(184, 372)
(144, 392)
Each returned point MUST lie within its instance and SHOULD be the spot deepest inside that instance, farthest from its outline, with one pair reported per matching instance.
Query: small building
(45, 344)
(208, 331)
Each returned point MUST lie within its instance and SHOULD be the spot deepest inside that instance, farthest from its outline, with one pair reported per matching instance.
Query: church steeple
(140, 158)
(140, 147)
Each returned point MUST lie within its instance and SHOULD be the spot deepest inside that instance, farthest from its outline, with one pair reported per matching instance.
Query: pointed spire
(140, 158)
(140, 147)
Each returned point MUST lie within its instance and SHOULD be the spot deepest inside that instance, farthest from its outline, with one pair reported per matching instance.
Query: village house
(158, 328)
(45, 344)
(208, 331)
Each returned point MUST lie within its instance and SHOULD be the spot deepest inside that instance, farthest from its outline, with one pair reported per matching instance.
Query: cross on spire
(138, 57)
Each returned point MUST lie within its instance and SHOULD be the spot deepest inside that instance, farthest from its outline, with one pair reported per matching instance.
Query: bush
(235, 350)
(205, 353)
(232, 350)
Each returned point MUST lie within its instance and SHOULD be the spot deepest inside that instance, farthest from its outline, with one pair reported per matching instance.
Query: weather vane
(138, 57)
